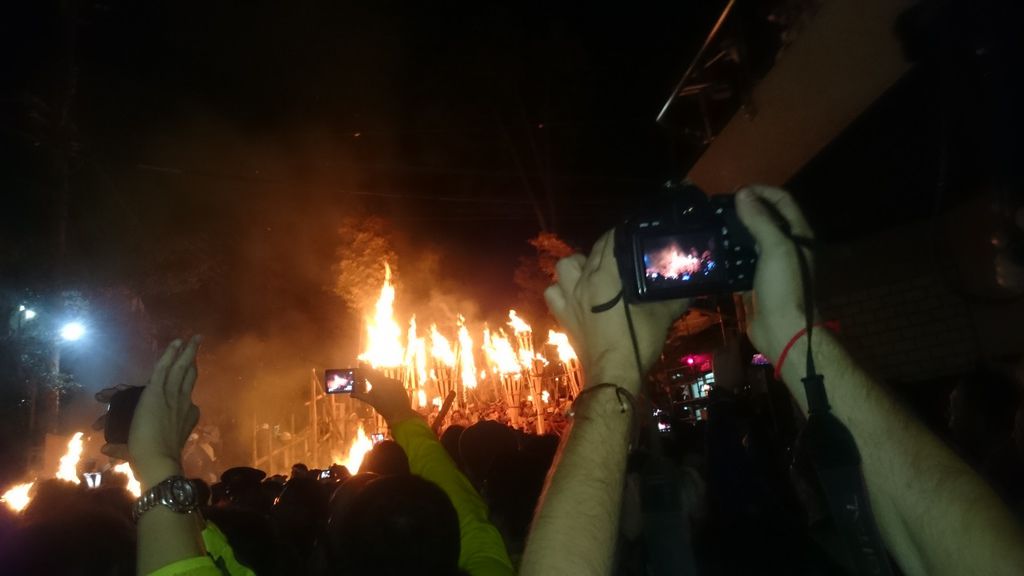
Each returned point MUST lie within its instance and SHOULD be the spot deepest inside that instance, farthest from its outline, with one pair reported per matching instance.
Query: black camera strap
(832, 449)
(660, 493)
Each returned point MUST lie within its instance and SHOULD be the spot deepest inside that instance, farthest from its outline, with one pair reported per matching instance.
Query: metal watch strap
(161, 494)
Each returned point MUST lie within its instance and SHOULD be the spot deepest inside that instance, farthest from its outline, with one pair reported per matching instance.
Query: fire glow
(68, 470)
(133, 485)
(500, 353)
(561, 343)
(17, 498)
(467, 363)
(384, 336)
(673, 262)
(357, 451)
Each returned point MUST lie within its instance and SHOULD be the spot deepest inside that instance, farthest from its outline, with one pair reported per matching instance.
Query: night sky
(216, 148)
(466, 125)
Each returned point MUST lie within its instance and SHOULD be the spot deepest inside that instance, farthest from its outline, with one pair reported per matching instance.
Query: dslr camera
(684, 245)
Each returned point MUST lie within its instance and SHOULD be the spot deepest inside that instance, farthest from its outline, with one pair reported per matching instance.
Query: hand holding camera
(386, 396)
(776, 309)
(602, 338)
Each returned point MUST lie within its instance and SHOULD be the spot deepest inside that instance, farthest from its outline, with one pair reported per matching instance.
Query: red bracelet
(832, 325)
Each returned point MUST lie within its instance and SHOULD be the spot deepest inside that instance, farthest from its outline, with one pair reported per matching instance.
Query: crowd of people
(733, 494)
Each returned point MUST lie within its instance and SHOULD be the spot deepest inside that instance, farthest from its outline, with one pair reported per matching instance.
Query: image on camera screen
(339, 381)
(671, 261)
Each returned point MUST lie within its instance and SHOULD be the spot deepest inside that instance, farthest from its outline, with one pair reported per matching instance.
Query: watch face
(182, 494)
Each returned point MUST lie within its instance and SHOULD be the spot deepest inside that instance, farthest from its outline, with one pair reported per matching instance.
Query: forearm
(575, 528)
(166, 537)
(936, 515)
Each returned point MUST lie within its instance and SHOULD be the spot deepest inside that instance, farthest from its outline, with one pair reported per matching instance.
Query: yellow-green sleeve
(198, 566)
(482, 551)
(219, 560)
(217, 547)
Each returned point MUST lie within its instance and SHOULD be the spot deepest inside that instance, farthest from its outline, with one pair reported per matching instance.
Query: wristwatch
(176, 492)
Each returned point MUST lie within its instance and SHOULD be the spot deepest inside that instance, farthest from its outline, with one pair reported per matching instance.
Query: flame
(68, 469)
(440, 348)
(517, 323)
(357, 451)
(422, 397)
(499, 352)
(526, 359)
(133, 485)
(466, 355)
(384, 336)
(416, 353)
(17, 498)
(673, 262)
(561, 342)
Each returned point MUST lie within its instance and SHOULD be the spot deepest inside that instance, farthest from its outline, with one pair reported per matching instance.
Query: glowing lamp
(72, 331)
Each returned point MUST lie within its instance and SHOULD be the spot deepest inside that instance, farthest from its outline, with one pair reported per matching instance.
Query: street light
(72, 331)
(29, 314)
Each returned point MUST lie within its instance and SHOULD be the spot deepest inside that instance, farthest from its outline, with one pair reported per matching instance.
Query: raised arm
(575, 527)
(163, 420)
(171, 543)
(936, 515)
(482, 551)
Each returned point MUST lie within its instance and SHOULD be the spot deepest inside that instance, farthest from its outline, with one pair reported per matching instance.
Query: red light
(689, 360)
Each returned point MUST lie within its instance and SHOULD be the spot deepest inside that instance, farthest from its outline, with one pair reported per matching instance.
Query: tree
(536, 272)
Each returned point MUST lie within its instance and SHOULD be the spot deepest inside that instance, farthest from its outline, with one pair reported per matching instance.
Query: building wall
(920, 302)
(914, 329)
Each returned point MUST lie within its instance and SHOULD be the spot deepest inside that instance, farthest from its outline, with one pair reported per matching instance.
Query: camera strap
(665, 526)
(832, 449)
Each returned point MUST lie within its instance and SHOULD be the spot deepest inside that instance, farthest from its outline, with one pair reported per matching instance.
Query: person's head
(242, 486)
(339, 473)
(203, 494)
(68, 530)
(299, 470)
(483, 444)
(450, 441)
(399, 525)
(387, 459)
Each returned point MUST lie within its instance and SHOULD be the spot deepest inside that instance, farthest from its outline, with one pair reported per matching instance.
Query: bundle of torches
(19, 496)
(431, 367)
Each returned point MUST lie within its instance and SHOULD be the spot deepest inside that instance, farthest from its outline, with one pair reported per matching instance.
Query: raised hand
(165, 415)
(602, 338)
(386, 396)
(776, 310)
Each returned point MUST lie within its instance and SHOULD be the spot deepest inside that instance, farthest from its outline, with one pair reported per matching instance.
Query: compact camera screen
(679, 260)
(684, 245)
(340, 381)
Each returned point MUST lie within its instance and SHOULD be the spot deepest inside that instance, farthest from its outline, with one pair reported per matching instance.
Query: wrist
(152, 472)
(396, 417)
(794, 370)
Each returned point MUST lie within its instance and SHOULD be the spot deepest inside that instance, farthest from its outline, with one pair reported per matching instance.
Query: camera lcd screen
(340, 381)
(680, 260)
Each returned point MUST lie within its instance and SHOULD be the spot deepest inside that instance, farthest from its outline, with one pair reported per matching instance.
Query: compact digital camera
(684, 245)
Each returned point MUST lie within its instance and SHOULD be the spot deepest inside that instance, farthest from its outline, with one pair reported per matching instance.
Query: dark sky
(216, 148)
(470, 124)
